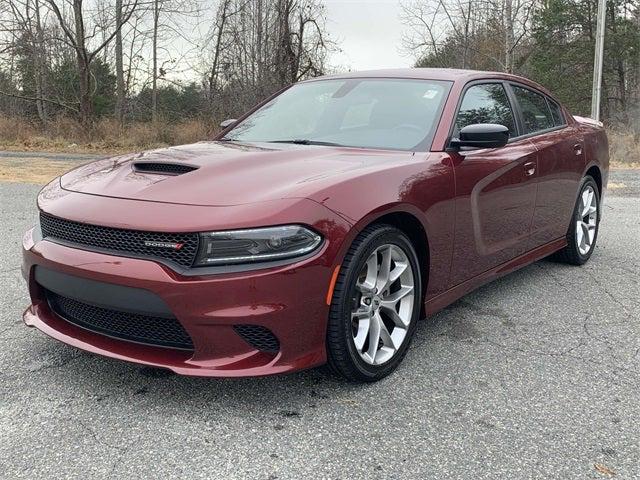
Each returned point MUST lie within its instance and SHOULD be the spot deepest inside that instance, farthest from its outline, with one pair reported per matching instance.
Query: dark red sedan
(318, 228)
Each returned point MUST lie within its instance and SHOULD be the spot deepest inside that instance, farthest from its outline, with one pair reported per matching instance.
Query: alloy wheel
(587, 222)
(382, 304)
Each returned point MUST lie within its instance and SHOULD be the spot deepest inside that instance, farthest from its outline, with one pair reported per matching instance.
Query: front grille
(163, 168)
(158, 331)
(126, 242)
(259, 337)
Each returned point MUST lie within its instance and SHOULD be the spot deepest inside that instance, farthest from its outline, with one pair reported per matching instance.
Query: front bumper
(290, 301)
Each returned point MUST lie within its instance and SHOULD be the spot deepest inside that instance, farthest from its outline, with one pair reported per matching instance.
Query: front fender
(424, 189)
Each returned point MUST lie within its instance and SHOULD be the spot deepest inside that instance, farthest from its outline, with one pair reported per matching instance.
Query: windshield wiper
(302, 141)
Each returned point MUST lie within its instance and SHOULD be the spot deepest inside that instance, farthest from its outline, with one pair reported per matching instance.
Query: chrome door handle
(530, 168)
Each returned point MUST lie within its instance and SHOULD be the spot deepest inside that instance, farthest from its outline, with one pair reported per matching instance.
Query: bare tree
(508, 35)
(224, 12)
(167, 16)
(74, 28)
(25, 29)
(40, 61)
(467, 33)
(120, 88)
(259, 46)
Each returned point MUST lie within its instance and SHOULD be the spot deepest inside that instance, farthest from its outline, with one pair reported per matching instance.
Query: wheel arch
(409, 220)
(411, 226)
(596, 174)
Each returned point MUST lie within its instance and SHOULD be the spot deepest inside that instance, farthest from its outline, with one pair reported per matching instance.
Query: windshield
(372, 113)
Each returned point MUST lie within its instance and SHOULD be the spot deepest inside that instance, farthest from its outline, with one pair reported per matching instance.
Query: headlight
(255, 245)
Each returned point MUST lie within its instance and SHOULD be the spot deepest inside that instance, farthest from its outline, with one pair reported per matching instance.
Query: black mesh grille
(158, 331)
(126, 242)
(164, 168)
(258, 337)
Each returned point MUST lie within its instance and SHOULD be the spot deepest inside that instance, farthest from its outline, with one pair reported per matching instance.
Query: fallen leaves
(603, 469)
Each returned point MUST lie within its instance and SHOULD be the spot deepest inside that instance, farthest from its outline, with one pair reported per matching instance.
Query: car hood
(227, 173)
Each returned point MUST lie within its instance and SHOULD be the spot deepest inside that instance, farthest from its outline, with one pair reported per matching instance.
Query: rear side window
(486, 103)
(556, 113)
(535, 110)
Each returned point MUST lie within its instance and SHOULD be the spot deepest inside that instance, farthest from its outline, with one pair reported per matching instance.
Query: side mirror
(227, 123)
(482, 135)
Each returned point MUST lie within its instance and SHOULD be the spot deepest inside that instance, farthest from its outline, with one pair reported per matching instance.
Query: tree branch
(40, 99)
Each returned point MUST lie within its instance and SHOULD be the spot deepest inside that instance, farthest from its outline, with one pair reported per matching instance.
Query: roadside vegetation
(109, 137)
(106, 135)
(624, 148)
(109, 76)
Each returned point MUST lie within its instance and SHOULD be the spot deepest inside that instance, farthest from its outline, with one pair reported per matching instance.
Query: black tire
(343, 358)
(571, 253)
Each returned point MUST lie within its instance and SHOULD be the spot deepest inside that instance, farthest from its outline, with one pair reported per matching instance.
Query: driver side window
(485, 103)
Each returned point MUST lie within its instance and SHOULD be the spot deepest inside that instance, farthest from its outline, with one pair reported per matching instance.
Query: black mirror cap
(229, 122)
(482, 135)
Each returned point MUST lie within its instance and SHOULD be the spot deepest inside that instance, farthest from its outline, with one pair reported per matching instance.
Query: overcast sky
(368, 34)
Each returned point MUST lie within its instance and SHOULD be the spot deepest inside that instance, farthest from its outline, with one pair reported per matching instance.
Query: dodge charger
(319, 227)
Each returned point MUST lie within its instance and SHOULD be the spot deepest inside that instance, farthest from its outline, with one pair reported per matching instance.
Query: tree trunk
(120, 91)
(621, 110)
(297, 57)
(467, 25)
(286, 57)
(84, 72)
(40, 64)
(154, 83)
(213, 76)
(508, 36)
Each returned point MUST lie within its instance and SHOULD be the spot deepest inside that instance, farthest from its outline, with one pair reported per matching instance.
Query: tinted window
(535, 111)
(486, 103)
(556, 113)
(377, 113)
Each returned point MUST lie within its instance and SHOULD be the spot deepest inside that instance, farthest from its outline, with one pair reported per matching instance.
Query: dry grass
(624, 149)
(66, 135)
(32, 170)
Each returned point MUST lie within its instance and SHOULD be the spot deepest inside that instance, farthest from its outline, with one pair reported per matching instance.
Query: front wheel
(375, 305)
(583, 230)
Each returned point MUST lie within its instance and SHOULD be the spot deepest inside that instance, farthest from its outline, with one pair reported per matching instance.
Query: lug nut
(367, 301)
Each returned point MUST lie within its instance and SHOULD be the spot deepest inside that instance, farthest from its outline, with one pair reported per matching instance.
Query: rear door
(560, 162)
(495, 188)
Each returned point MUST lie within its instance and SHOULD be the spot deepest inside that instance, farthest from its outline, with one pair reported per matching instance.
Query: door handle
(530, 168)
(577, 148)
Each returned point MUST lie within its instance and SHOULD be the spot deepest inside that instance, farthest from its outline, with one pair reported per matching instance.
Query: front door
(495, 188)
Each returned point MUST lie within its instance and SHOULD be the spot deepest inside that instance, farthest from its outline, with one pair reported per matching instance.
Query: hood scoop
(162, 168)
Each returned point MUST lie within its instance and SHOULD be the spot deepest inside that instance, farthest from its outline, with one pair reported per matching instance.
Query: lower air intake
(259, 337)
(134, 327)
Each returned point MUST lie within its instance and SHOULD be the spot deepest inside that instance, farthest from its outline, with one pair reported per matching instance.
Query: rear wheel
(375, 305)
(583, 230)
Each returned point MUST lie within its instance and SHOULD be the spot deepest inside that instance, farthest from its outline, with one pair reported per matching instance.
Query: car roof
(446, 74)
(451, 74)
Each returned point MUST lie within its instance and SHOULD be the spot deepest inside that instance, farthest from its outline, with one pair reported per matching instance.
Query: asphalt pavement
(533, 376)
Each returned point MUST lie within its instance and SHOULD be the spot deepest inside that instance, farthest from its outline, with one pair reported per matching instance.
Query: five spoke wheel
(375, 304)
(583, 229)
(588, 220)
(382, 305)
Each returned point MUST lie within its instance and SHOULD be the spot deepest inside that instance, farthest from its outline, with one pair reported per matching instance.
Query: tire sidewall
(392, 236)
(587, 181)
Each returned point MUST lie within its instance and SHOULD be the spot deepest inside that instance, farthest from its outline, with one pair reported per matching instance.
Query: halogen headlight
(255, 245)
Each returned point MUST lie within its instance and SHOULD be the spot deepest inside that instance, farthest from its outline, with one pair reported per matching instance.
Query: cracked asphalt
(533, 376)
